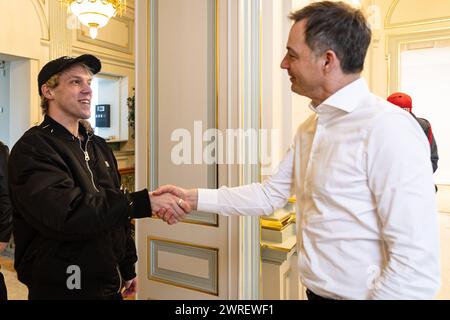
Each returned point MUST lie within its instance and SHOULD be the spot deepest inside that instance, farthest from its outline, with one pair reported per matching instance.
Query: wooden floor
(16, 290)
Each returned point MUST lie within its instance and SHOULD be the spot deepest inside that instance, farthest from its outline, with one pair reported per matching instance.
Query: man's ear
(330, 61)
(47, 92)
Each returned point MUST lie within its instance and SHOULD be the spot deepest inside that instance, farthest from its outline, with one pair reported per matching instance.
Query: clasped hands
(171, 203)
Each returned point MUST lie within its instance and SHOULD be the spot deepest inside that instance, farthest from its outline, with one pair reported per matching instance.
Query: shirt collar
(345, 99)
(59, 130)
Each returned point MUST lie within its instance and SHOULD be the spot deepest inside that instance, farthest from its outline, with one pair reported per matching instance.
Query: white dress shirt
(367, 223)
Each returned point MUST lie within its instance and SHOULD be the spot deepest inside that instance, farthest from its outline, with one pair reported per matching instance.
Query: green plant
(131, 113)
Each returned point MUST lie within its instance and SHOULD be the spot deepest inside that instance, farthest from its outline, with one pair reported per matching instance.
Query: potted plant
(131, 114)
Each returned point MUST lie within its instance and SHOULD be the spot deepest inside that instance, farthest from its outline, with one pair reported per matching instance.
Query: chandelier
(95, 14)
(356, 3)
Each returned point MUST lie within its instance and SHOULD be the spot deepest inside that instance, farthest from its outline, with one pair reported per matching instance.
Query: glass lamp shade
(356, 3)
(93, 14)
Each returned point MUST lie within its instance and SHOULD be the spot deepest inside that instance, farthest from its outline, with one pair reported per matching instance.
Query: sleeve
(139, 201)
(400, 178)
(434, 150)
(45, 192)
(5, 203)
(254, 199)
(426, 126)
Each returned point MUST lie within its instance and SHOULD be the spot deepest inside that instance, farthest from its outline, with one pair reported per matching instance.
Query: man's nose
(284, 64)
(87, 88)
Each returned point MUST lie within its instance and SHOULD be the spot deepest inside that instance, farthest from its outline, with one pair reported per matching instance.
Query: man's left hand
(130, 288)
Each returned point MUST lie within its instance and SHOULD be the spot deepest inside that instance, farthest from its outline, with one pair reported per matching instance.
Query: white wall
(38, 31)
(22, 41)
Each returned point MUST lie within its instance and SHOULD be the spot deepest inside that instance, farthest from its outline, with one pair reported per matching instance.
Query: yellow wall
(36, 31)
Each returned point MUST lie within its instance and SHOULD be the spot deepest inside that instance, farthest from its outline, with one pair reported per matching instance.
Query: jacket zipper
(87, 158)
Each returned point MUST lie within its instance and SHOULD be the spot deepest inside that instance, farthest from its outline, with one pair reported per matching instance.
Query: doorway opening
(19, 97)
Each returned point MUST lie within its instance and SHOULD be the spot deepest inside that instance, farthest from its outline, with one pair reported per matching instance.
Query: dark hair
(339, 27)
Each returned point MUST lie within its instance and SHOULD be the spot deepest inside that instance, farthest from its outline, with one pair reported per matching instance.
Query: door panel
(191, 259)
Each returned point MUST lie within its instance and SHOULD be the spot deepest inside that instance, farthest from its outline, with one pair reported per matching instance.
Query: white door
(181, 92)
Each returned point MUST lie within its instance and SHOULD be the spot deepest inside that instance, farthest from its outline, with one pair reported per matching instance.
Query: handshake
(171, 203)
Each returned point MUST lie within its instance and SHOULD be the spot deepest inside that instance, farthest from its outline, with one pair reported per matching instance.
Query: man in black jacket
(404, 101)
(5, 212)
(71, 220)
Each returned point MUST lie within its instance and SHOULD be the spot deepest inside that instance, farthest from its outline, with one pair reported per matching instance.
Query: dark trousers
(312, 296)
(3, 292)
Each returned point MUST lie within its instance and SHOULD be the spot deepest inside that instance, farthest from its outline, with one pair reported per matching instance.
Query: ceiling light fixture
(95, 14)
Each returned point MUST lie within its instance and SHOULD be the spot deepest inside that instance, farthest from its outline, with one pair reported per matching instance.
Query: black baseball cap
(58, 65)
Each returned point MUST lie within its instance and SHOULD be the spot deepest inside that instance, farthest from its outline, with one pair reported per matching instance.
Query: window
(425, 76)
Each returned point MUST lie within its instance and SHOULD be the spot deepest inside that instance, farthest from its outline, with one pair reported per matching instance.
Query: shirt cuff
(208, 200)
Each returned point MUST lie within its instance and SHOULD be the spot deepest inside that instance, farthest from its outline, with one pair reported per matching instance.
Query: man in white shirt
(360, 169)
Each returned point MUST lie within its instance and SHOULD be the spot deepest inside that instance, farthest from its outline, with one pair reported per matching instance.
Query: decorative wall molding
(397, 5)
(249, 37)
(60, 34)
(202, 218)
(39, 6)
(184, 265)
(131, 7)
(105, 57)
(275, 256)
(394, 43)
(83, 36)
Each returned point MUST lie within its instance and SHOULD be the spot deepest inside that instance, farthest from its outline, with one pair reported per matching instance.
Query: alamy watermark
(373, 275)
(234, 146)
(73, 281)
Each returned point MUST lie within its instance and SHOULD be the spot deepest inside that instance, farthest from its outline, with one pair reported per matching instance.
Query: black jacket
(69, 212)
(426, 127)
(5, 203)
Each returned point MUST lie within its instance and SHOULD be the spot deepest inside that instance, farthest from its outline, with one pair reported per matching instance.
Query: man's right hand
(188, 196)
(169, 207)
